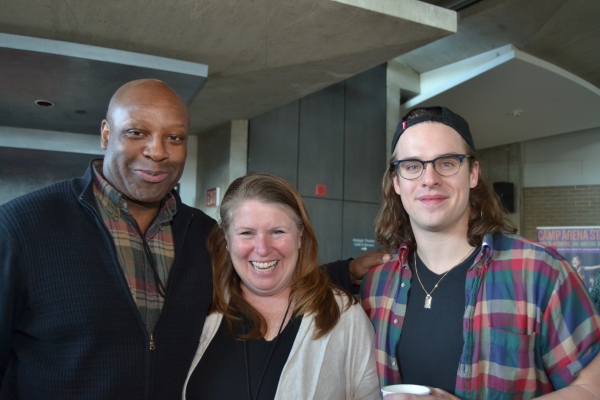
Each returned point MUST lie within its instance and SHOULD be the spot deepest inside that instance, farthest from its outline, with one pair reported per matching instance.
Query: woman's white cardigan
(339, 365)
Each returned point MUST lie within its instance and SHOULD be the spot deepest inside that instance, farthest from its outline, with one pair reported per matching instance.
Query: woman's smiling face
(264, 241)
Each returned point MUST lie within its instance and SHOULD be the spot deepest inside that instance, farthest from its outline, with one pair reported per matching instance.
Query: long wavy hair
(393, 227)
(311, 290)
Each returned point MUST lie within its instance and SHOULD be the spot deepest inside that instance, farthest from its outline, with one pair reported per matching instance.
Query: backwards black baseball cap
(439, 114)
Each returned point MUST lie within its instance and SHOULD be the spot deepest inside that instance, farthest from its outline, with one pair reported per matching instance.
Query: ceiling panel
(515, 97)
(262, 54)
(78, 80)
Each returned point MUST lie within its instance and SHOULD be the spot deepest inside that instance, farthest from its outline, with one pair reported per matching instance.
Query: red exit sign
(321, 190)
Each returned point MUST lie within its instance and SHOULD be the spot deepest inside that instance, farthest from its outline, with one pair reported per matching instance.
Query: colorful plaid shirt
(529, 325)
(130, 248)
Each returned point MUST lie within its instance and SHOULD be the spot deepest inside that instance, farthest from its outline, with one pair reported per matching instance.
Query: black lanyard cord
(268, 358)
(160, 286)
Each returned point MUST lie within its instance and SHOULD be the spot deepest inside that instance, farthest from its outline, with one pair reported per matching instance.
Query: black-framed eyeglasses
(412, 168)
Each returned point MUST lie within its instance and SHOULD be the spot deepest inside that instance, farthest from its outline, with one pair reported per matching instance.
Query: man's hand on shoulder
(361, 265)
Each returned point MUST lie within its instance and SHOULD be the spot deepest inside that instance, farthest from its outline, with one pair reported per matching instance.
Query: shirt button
(394, 363)
(402, 284)
(395, 321)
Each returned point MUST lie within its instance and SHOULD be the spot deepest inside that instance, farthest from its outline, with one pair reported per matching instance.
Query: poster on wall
(580, 245)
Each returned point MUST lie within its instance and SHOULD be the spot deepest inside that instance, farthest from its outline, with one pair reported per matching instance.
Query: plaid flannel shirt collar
(116, 204)
(485, 254)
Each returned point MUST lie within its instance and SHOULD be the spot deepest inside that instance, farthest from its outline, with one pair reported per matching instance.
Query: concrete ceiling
(509, 96)
(74, 82)
(562, 32)
(264, 53)
(552, 77)
(261, 54)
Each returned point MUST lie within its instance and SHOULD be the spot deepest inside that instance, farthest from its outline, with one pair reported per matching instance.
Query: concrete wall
(503, 164)
(561, 181)
(334, 138)
(31, 159)
(213, 165)
(563, 160)
(557, 179)
(577, 205)
(222, 157)
(25, 170)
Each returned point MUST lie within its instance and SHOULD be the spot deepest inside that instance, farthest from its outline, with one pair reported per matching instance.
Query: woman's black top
(221, 373)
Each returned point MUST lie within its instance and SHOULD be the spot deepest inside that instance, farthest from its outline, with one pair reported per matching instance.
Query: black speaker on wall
(506, 193)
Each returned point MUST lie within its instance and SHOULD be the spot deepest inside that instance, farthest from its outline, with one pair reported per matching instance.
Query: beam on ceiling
(410, 10)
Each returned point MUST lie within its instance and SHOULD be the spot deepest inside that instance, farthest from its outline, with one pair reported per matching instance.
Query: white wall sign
(364, 244)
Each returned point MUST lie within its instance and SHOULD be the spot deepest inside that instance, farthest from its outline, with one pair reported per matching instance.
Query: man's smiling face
(145, 137)
(433, 202)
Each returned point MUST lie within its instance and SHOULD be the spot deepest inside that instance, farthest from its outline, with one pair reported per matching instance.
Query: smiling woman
(263, 242)
(278, 328)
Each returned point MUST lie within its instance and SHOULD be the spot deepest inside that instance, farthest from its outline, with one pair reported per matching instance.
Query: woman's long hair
(311, 290)
(393, 227)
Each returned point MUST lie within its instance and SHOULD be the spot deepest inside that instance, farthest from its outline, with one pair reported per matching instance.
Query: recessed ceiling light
(516, 113)
(44, 103)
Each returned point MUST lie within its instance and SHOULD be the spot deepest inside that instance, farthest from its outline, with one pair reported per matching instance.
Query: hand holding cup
(415, 392)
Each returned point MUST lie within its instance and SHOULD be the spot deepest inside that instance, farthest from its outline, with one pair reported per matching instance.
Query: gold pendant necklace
(428, 297)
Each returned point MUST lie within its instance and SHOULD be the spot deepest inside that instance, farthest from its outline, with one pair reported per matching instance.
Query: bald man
(105, 280)
(86, 309)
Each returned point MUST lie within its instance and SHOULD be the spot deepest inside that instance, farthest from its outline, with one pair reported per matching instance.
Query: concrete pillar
(238, 154)
(188, 180)
(402, 84)
(222, 157)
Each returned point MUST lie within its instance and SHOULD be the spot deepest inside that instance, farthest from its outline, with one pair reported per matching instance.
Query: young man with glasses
(467, 307)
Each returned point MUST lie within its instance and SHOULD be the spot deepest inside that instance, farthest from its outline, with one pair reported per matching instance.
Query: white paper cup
(410, 389)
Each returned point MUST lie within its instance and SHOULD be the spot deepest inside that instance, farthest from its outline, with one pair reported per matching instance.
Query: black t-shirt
(432, 338)
(221, 373)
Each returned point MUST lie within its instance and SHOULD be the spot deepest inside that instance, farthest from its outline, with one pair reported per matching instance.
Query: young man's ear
(396, 182)
(474, 175)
